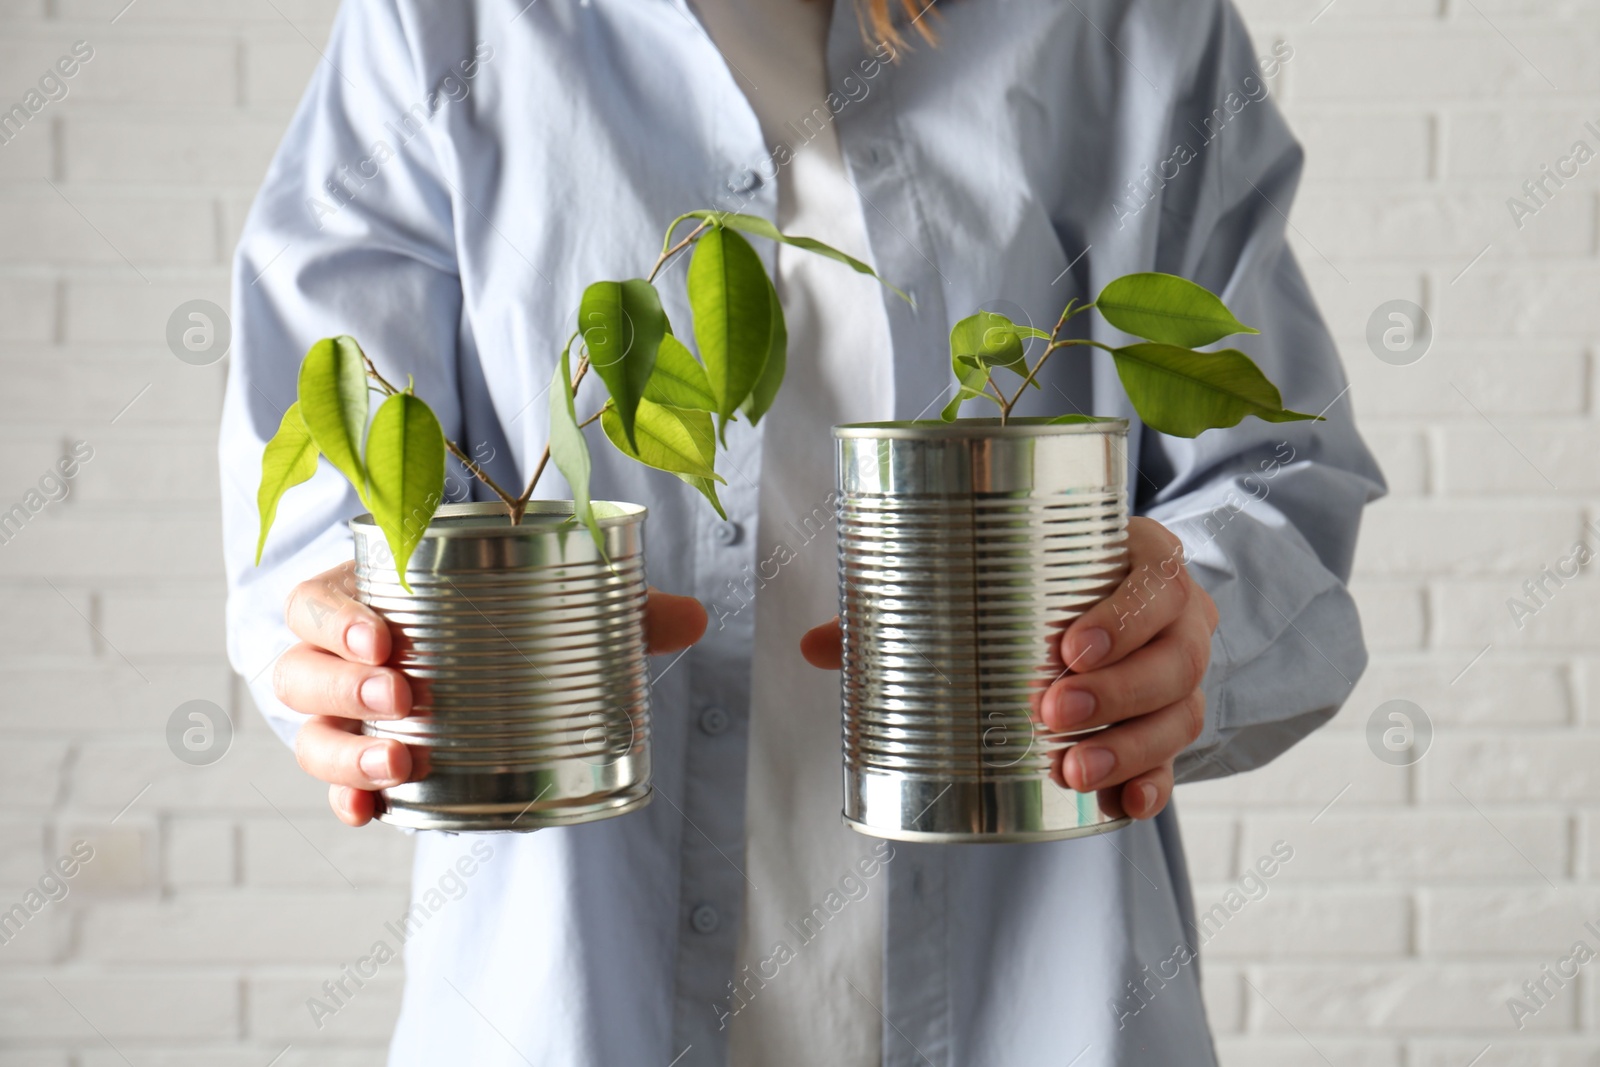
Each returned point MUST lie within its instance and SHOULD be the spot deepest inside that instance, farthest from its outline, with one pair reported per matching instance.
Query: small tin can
(525, 648)
(965, 549)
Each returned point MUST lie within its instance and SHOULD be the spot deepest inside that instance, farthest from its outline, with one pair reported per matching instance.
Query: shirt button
(748, 182)
(705, 919)
(713, 721)
(875, 155)
(726, 533)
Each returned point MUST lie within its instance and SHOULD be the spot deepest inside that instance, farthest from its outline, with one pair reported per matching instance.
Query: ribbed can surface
(526, 655)
(965, 549)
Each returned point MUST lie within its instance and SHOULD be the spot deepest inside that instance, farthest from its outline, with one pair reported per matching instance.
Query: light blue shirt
(458, 171)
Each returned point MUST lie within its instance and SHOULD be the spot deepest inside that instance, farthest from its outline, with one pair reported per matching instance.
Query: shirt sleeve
(1268, 513)
(351, 233)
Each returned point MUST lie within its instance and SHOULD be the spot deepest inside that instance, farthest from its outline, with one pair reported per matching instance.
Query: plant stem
(661, 261)
(1066, 313)
(521, 502)
(455, 449)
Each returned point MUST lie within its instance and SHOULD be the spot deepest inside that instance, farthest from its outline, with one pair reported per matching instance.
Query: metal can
(525, 648)
(965, 549)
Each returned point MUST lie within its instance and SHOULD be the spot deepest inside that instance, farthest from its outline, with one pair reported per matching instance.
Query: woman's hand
(1132, 663)
(337, 676)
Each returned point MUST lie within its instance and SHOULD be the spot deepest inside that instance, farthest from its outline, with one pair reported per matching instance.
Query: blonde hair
(877, 21)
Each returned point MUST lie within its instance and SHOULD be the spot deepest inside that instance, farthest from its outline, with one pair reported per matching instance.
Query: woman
(455, 174)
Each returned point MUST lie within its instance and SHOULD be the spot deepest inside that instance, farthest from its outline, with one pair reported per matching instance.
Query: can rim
(542, 516)
(965, 429)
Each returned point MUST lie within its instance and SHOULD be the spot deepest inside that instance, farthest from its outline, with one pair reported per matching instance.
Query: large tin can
(965, 549)
(525, 648)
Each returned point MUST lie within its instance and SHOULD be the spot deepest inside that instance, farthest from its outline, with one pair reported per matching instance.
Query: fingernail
(1088, 648)
(362, 640)
(1070, 707)
(1094, 764)
(377, 694)
(375, 764)
(1147, 798)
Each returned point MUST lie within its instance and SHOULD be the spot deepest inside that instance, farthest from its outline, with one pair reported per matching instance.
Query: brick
(321, 852)
(30, 154)
(45, 937)
(27, 309)
(1499, 298)
(1348, 293)
(125, 855)
(1310, 774)
(33, 774)
(1403, 456)
(1451, 62)
(1425, 221)
(277, 72)
(243, 1055)
(1514, 766)
(281, 928)
(1472, 612)
(1550, 457)
(56, 387)
(178, 622)
(199, 853)
(1220, 989)
(1550, 380)
(1347, 846)
(1210, 842)
(78, 227)
(298, 12)
(1498, 690)
(1513, 145)
(126, 1005)
(1546, 1050)
(105, 696)
(101, 310)
(194, 151)
(22, 856)
(107, 776)
(1293, 924)
(276, 1007)
(174, 545)
(1395, 999)
(1254, 1051)
(1417, 537)
(1393, 614)
(1366, 146)
(1532, 924)
(154, 464)
(41, 621)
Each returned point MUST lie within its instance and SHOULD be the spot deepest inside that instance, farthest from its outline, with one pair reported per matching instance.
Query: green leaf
(622, 325)
(708, 489)
(732, 316)
(759, 402)
(1185, 393)
(679, 379)
(1076, 418)
(670, 439)
(755, 224)
(405, 471)
(290, 458)
(568, 450)
(333, 403)
(1167, 309)
(992, 340)
(971, 380)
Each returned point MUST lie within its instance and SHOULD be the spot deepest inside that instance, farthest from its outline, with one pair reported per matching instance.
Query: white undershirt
(799, 855)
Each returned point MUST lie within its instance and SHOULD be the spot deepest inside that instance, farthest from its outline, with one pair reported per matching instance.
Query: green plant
(1174, 388)
(660, 406)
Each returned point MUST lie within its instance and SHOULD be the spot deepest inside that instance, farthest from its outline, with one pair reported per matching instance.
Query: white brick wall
(221, 897)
